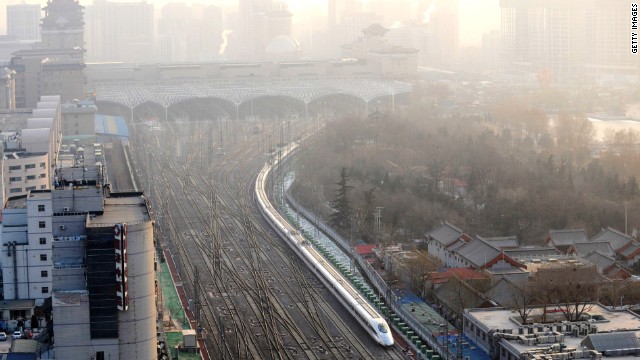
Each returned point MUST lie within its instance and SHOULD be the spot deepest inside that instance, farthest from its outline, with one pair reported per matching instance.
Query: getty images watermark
(634, 28)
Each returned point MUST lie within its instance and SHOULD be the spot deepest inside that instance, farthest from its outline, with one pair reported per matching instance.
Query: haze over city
(476, 16)
(335, 179)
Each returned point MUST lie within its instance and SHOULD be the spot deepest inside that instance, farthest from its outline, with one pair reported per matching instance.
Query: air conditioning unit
(67, 209)
(62, 227)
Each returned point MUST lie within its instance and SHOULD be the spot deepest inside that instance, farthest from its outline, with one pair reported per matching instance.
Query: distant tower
(23, 21)
(63, 25)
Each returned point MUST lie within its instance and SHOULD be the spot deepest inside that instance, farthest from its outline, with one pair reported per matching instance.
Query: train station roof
(238, 91)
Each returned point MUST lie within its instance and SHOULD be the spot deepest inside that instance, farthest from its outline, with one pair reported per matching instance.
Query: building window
(15, 190)
(44, 273)
(43, 257)
(43, 176)
(15, 167)
(43, 165)
(42, 187)
(30, 166)
(15, 178)
(40, 208)
(42, 224)
(31, 177)
(45, 289)
(100, 355)
(29, 188)
(43, 241)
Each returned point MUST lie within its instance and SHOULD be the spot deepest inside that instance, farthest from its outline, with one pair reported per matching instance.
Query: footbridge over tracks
(236, 92)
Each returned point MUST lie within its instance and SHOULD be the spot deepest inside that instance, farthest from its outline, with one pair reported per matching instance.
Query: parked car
(16, 334)
(3, 336)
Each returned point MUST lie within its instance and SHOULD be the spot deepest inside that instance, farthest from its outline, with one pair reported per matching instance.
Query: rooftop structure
(30, 146)
(236, 92)
(601, 332)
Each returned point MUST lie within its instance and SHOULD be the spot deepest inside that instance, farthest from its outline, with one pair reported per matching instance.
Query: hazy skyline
(476, 16)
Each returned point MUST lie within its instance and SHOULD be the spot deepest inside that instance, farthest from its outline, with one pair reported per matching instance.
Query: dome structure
(283, 45)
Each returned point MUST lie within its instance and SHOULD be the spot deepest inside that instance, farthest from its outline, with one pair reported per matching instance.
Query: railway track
(257, 299)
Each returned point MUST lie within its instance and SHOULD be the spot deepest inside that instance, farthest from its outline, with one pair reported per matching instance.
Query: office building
(118, 31)
(568, 40)
(23, 22)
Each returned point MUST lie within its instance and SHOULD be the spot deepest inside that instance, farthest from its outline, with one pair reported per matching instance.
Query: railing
(377, 281)
(70, 238)
(69, 266)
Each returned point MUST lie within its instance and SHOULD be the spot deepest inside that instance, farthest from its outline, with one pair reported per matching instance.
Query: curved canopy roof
(238, 91)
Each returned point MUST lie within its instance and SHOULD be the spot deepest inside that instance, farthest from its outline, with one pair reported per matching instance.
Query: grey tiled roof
(612, 341)
(630, 249)
(445, 234)
(567, 237)
(615, 237)
(584, 248)
(478, 251)
(601, 260)
(506, 242)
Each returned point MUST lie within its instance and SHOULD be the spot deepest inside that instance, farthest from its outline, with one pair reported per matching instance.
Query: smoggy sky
(476, 16)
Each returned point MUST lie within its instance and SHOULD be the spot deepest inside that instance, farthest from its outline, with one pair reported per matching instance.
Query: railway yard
(252, 297)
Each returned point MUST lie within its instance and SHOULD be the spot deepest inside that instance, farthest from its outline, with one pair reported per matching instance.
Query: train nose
(387, 340)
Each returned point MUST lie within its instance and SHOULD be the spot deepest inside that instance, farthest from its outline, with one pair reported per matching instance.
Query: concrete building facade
(93, 252)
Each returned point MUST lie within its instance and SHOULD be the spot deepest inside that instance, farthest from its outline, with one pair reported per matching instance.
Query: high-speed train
(357, 305)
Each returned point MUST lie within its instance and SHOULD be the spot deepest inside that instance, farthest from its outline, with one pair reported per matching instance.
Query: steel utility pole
(378, 217)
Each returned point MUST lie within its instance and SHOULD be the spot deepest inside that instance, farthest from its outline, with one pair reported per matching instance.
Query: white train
(358, 306)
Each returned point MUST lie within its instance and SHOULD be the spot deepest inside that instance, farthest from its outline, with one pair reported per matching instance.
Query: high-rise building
(261, 21)
(23, 21)
(189, 32)
(120, 31)
(568, 40)
(442, 34)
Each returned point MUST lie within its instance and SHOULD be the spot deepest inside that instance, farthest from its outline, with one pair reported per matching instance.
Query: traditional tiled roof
(630, 250)
(478, 252)
(506, 242)
(601, 260)
(566, 237)
(587, 247)
(617, 271)
(446, 234)
(613, 236)
(503, 292)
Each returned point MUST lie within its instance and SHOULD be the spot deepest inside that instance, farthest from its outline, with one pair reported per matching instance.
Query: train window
(382, 328)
